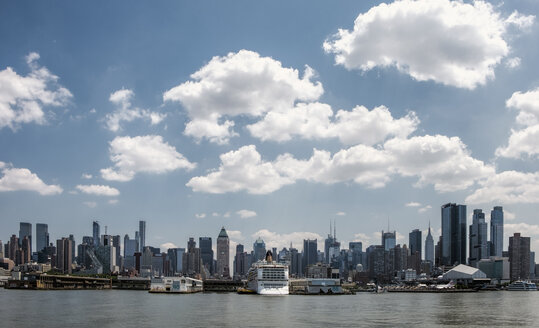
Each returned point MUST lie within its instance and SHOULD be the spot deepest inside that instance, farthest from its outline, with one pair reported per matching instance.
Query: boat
(522, 286)
(267, 277)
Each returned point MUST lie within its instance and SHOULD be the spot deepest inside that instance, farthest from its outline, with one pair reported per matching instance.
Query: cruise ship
(522, 286)
(267, 277)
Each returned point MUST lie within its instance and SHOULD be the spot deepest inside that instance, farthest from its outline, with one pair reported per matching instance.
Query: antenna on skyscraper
(105, 230)
(330, 227)
(334, 229)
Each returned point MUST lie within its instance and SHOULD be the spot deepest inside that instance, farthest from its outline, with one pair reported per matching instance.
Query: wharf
(445, 290)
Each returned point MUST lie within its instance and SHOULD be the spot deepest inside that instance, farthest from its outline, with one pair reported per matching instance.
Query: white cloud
(215, 214)
(317, 121)
(90, 204)
(15, 179)
(449, 42)
(234, 234)
(509, 215)
(166, 246)
(340, 213)
(86, 176)
(274, 239)
(412, 204)
(113, 201)
(242, 169)
(525, 230)
(124, 111)
(523, 141)
(508, 187)
(99, 190)
(226, 215)
(23, 98)
(246, 214)
(242, 83)
(512, 62)
(438, 160)
(424, 209)
(142, 154)
(200, 215)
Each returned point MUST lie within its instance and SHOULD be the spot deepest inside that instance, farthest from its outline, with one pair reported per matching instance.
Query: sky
(270, 118)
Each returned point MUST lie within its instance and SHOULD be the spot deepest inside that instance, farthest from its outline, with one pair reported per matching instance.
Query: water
(116, 308)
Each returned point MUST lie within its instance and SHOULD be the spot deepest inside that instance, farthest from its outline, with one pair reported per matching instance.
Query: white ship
(267, 277)
(522, 286)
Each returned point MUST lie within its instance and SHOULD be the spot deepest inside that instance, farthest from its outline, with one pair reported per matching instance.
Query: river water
(118, 308)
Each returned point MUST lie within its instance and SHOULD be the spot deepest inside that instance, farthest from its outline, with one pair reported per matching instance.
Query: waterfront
(116, 308)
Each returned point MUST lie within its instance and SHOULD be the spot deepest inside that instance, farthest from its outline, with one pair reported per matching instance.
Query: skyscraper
(389, 239)
(25, 229)
(223, 250)
(429, 248)
(415, 241)
(42, 236)
(496, 231)
(206, 253)
(310, 253)
(96, 233)
(73, 246)
(259, 250)
(519, 257)
(142, 234)
(63, 255)
(332, 247)
(453, 246)
(478, 238)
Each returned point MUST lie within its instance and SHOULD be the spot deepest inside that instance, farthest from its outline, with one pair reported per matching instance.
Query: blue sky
(268, 118)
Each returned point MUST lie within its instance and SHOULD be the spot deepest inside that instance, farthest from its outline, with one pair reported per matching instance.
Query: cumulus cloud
(508, 215)
(424, 209)
(125, 112)
(200, 215)
(143, 154)
(166, 246)
(523, 141)
(512, 62)
(245, 214)
(23, 98)
(525, 229)
(412, 204)
(113, 201)
(274, 239)
(439, 160)
(442, 161)
(86, 176)
(449, 42)
(242, 83)
(340, 213)
(317, 121)
(234, 234)
(16, 179)
(242, 169)
(508, 187)
(90, 204)
(98, 190)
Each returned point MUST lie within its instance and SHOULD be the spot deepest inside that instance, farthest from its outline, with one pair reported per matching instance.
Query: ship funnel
(269, 257)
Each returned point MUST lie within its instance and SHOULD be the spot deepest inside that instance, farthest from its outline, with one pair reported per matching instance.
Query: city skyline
(142, 118)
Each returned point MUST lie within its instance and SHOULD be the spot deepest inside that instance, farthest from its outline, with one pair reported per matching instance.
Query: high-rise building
(137, 238)
(42, 236)
(63, 255)
(130, 246)
(415, 241)
(356, 250)
(429, 248)
(332, 248)
(519, 257)
(310, 253)
(240, 262)
(96, 233)
(259, 250)
(26, 250)
(116, 242)
(389, 240)
(142, 234)
(453, 246)
(73, 247)
(295, 263)
(478, 238)
(25, 229)
(206, 253)
(13, 247)
(223, 257)
(496, 231)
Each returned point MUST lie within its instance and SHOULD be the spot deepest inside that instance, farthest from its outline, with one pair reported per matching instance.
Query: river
(121, 308)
